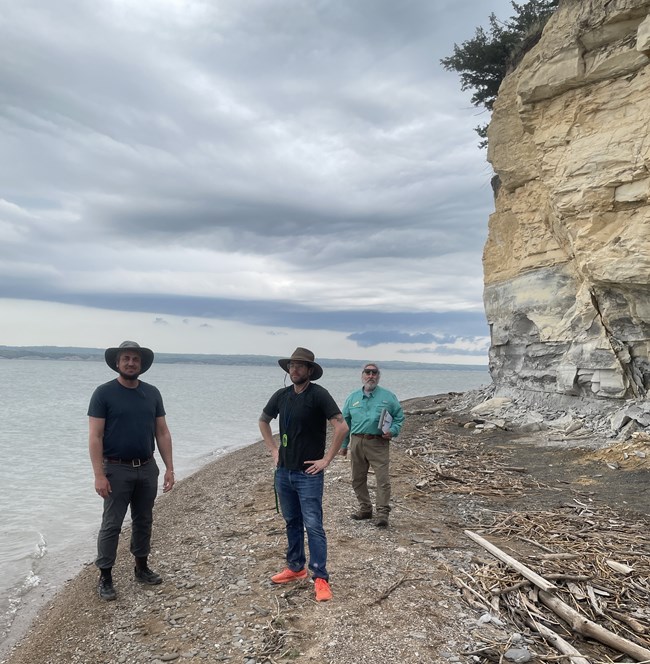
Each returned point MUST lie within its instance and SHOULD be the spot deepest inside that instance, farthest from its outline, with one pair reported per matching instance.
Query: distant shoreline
(75, 354)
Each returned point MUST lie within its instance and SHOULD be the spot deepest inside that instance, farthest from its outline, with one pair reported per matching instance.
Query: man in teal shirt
(374, 416)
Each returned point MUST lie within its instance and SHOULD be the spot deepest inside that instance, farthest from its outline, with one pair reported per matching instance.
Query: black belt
(135, 463)
(368, 436)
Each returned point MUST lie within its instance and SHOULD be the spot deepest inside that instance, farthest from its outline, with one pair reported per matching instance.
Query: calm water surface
(49, 512)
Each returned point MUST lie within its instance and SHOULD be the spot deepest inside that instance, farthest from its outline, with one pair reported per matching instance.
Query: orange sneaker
(323, 590)
(287, 575)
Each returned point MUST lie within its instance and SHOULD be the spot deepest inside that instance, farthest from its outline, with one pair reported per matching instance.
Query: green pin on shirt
(284, 440)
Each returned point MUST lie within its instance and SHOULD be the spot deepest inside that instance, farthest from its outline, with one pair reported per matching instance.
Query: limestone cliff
(567, 260)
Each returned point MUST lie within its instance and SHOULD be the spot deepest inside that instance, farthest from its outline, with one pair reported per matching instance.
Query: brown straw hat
(146, 355)
(303, 355)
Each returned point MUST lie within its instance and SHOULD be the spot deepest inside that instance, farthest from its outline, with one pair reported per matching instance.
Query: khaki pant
(374, 453)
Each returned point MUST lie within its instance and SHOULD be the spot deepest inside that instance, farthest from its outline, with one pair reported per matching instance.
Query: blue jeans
(301, 500)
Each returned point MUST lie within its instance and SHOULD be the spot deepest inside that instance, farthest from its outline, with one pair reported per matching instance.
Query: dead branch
(390, 589)
(511, 588)
(526, 572)
(483, 603)
(557, 576)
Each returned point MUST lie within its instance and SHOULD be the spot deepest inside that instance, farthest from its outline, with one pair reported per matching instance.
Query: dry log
(633, 624)
(591, 630)
(526, 572)
(428, 411)
(575, 657)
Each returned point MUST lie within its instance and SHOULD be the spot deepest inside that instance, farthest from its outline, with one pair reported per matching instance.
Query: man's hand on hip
(317, 466)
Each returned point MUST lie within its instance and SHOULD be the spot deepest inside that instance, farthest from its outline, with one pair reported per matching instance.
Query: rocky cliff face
(567, 260)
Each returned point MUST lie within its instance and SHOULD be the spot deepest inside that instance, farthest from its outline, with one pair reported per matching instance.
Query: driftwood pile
(578, 578)
(457, 468)
(575, 580)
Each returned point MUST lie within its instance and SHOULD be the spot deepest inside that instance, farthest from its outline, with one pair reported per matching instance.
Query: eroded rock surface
(567, 260)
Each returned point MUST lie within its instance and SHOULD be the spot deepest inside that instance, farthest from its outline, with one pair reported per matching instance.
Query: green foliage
(484, 60)
(481, 130)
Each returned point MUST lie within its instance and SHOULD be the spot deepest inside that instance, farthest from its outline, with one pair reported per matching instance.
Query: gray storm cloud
(307, 152)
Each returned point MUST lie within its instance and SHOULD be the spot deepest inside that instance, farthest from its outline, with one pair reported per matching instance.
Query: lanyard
(286, 415)
(292, 398)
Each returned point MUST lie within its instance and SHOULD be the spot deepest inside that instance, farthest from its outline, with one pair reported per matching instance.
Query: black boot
(382, 521)
(144, 574)
(105, 585)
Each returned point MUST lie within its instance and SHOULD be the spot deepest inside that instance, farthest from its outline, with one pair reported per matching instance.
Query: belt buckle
(134, 464)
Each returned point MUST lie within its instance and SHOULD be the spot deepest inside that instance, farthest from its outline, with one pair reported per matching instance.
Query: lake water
(49, 512)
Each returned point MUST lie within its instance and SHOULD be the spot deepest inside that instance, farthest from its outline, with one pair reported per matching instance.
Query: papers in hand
(385, 420)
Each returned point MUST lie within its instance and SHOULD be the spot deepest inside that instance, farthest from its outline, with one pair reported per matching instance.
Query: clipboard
(385, 420)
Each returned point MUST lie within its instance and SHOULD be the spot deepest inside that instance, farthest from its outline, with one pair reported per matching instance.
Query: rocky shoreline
(218, 539)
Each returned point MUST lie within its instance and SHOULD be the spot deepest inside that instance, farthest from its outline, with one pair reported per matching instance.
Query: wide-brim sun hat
(146, 355)
(303, 355)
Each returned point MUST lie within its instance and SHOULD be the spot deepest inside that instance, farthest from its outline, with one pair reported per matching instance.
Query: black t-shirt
(130, 418)
(303, 423)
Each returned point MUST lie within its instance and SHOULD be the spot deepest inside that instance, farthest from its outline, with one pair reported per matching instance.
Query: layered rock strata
(567, 260)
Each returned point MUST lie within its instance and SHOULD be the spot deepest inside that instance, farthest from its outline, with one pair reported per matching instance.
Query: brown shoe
(382, 522)
(361, 515)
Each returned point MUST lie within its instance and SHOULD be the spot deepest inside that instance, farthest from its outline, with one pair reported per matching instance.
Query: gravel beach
(218, 539)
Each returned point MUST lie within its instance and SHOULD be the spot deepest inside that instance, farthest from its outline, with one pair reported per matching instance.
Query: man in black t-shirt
(304, 410)
(126, 419)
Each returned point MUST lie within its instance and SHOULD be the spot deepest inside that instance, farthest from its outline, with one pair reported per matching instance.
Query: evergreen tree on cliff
(484, 60)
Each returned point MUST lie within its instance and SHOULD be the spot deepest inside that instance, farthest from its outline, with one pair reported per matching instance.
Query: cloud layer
(292, 164)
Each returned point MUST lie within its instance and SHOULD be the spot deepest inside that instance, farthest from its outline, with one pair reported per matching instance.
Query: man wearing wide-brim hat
(304, 409)
(126, 421)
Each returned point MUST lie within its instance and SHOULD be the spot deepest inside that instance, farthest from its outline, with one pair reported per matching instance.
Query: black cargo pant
(136, 487)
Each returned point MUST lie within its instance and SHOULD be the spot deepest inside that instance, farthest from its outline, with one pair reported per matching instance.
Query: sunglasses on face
(370, 372)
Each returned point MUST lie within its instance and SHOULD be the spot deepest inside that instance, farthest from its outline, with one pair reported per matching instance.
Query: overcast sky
(242, 176)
